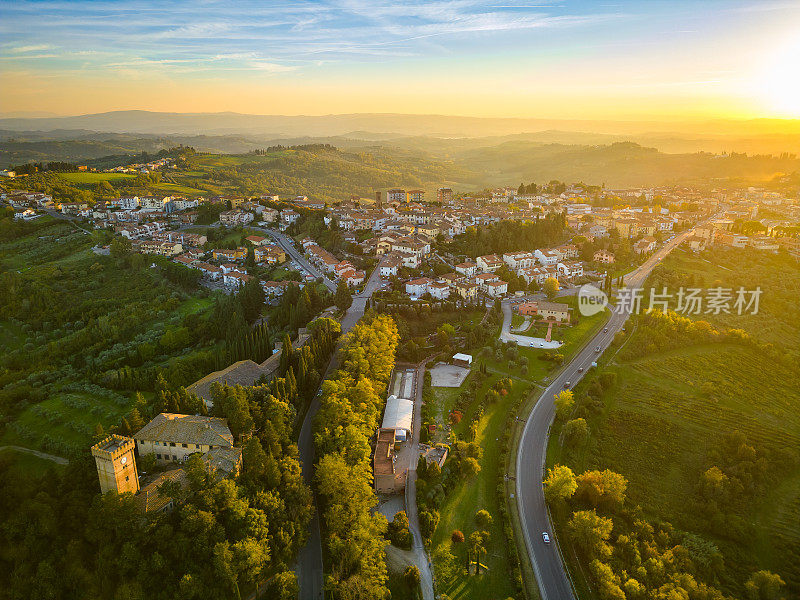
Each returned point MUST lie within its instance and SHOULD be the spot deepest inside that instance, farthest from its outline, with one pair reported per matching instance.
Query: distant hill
(139, 121)
(620, 164)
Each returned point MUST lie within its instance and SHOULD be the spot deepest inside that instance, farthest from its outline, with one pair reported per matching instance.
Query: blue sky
(320, 57)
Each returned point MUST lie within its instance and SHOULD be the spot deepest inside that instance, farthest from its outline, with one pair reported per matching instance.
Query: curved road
(551, 574)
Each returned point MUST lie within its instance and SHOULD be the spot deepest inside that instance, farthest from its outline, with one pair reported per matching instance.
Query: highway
(551, 574)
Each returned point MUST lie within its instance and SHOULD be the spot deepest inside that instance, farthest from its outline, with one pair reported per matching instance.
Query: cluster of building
(146, 167)
(719, 233)
(480, 277)
(170, 439)
(343, 270)
(394, 450)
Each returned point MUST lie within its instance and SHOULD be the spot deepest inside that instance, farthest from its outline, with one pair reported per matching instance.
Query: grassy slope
(659, 422)
(95, 177)
(58, 248)
(467, 498)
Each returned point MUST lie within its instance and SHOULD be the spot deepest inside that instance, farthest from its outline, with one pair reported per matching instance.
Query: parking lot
(444, 375)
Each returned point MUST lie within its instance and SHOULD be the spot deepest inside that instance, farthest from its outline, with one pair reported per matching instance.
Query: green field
(27, 465)
(466, 498)
(95, 177)
(665, 418)
(463, 500)
(71, 321)
(778, 276)
(66, 420)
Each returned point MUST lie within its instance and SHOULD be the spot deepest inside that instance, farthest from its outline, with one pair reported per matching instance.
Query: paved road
(545, 558)
(285, 242)
(310, 571)
(59, 215)
(417, 546)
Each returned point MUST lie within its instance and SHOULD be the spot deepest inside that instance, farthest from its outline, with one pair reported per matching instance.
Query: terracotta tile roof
(149, 499)
(187, 429)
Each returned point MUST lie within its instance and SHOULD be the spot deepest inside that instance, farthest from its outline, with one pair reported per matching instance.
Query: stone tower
(116, 464)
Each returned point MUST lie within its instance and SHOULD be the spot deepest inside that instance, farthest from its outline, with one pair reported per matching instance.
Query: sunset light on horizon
(571, 60)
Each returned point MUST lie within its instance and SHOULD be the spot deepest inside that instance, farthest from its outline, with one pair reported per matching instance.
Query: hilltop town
(468, 299)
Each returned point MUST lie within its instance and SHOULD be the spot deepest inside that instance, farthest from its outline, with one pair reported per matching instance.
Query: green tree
(590, 532)
(411, 578)
(564, 402)
(398, 531)
(602, 488)
(608, 582)
(120, 247)
(483, 519)
(559, 484)
(576, 431)
(764, 585)
(343, 299)
(550, 287)
(477, 547)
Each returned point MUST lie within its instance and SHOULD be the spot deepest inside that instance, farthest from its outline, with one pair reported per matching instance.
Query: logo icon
(591, 300)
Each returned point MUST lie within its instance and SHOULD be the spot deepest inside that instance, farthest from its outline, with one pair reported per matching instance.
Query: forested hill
(335, 168)
(621, 164)
(321, 172)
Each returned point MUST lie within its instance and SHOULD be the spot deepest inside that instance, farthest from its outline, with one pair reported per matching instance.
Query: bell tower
(116, 464)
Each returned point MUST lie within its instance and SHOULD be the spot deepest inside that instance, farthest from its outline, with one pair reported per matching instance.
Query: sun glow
(779, 83)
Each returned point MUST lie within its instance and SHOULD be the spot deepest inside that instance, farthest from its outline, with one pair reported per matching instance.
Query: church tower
(116, 464)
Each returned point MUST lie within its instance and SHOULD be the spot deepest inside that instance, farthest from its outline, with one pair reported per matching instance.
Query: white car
(545, 537)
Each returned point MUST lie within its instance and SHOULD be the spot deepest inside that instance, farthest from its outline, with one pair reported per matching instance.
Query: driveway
(522, 340)
(417, 547)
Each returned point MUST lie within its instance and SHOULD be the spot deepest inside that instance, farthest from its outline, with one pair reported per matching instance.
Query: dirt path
(56, 459)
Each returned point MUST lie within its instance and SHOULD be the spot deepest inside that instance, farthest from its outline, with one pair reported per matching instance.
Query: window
(158, 456)
(127, 477)
(174, 457)
(185, 445)
(197, 446)
(172, 444)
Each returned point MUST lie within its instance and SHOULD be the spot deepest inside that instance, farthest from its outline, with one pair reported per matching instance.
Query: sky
(504, 58)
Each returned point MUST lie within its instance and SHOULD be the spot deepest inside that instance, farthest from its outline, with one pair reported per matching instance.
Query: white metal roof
(465, 357)
(399, 413)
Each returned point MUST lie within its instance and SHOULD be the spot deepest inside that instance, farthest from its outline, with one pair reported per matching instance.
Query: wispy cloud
(31, 48)
(268, 37)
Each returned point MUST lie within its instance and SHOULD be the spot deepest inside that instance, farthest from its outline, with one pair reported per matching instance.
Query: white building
(398, 416)
(440, 291)
(570, 269)
(519, 260)
(496, 289)
(289, 216)
(547, 258)
(489, 263)
(468, 269)
(418, 287)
